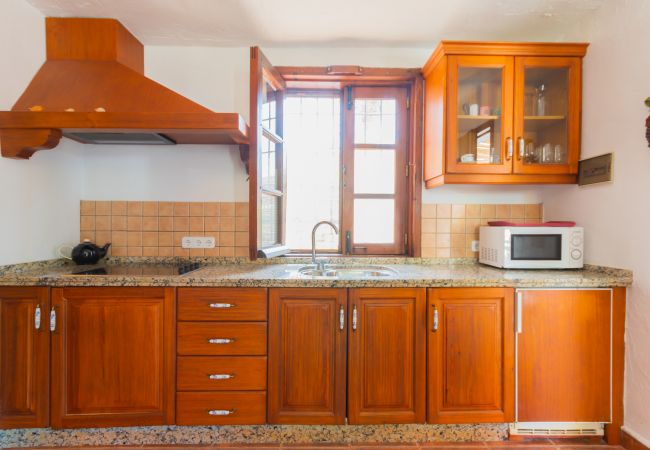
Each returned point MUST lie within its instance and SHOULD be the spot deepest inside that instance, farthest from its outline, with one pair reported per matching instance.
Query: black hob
(135, 270)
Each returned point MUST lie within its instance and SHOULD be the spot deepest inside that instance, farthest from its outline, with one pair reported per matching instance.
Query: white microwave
(513, 247)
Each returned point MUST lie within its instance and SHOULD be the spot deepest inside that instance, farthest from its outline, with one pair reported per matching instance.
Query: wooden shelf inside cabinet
(466, 122)
(536, 123)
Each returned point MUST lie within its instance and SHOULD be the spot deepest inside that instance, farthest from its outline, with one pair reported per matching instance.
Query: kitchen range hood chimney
(92, 89)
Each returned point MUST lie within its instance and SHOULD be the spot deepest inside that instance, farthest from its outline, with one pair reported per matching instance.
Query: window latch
(349, 97)
(348, 248)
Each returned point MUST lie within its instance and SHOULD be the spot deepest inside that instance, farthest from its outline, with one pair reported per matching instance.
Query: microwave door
(536, 247)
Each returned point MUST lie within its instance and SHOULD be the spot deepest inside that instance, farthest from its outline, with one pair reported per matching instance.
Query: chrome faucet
(320, 265)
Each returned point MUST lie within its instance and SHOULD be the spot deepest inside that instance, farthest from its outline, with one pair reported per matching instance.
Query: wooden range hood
(92, 89)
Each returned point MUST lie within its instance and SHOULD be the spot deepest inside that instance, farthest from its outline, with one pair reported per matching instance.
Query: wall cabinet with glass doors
(502, 113)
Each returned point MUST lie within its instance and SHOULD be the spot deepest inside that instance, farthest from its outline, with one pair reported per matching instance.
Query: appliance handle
(518, 324)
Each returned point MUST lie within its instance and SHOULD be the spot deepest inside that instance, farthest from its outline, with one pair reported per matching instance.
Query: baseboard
(630, 441)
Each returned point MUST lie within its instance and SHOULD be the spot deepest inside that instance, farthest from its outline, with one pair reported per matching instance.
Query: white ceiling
(337, 23)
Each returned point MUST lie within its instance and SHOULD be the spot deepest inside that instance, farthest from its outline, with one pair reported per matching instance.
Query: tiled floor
(537, 444)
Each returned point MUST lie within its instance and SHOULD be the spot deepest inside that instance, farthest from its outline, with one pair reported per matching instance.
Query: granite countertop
(239, 272)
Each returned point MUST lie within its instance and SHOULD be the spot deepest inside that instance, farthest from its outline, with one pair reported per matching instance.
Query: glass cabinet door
(547, 115)
(479, 122)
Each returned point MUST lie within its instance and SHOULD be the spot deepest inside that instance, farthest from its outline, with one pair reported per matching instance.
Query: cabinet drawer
(221, 338)
(220, 408)
(222, 304)
(221, 373)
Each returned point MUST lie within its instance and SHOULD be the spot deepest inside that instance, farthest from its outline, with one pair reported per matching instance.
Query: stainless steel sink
(334, 271)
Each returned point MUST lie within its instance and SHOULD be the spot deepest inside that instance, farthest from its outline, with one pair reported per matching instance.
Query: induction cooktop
(151, 270)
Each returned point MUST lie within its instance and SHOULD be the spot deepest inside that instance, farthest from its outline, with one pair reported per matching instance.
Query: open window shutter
(267, 162)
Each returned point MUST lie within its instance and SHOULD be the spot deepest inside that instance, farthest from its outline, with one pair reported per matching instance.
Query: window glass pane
(374, 221)
(374, 171)
(270, 218)
(312, 145)
(375, 121)
(268, 107)
(269, 167)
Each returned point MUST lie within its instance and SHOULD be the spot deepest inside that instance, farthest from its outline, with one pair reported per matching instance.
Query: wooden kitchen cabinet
(307, 350)
(387, 357)
(112, 357)
(564, 355)
(502, 113)
(24, 357)
(471, 355)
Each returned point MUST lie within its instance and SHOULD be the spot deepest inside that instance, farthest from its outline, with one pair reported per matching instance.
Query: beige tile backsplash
(448, 230)
(156, 228)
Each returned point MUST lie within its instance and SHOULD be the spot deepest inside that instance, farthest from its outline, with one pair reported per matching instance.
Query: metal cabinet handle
(221, 305)
(52, 320)
(221, 412)
(354, 318)
(221, 341)
(435, 318)
(518, 324)
(522, 148)
(510, 149)
(341, 318)
(37, 317)
(221, 376)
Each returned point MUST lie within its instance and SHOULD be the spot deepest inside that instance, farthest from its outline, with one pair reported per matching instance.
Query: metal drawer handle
(435, 318)
(221, 305)
(221, 340)
(341, 318)
(37, 317)
(53, 320)
(510, 149)
(354, 318)
(221, 376)
(221, 412)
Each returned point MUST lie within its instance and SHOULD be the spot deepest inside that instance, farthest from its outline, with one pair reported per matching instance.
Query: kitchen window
(340, 150)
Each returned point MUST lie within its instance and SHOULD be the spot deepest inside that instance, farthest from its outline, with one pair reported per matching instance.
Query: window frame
(261, 72)
(338, 78)
(398, 247)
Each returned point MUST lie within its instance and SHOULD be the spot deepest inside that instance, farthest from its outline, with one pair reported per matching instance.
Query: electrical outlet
(198, 242)
(475, 246)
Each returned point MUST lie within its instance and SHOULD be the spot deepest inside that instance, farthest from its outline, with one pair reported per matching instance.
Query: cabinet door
(547, 114)
(307, 339)
(471, 355)
(479, 114)
(24, 357)
(112, 357)
(564, 356)
(387, 358)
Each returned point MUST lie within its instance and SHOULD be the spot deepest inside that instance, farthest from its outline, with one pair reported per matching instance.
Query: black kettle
(86, 252)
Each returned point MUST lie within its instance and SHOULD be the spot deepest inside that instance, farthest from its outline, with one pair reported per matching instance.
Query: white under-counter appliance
(543, 246)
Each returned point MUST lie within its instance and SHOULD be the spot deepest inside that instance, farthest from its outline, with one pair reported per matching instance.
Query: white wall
(39, 199)
(617, 215)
